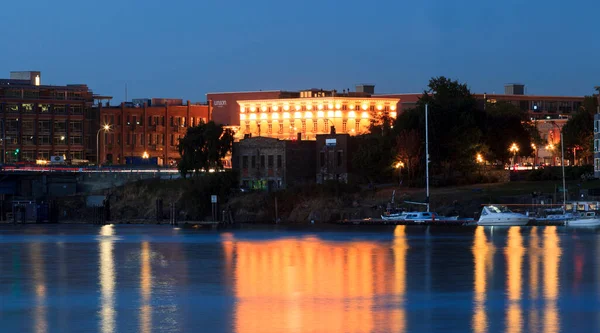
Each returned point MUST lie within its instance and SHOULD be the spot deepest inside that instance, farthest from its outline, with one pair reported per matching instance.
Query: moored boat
(494, 215)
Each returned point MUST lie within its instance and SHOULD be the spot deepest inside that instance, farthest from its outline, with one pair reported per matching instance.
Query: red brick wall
(226, 110)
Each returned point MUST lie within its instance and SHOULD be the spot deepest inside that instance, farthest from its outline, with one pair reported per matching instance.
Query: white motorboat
(399, 216)
(587, 219)
(494, 215)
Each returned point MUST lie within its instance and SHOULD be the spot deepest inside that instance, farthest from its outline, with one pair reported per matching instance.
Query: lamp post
(480, 161)
(514, 149)
(534, 156)
(399, 166)
(104, 128)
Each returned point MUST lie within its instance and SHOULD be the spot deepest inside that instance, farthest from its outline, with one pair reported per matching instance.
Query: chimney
(332, 130)
(299, 136)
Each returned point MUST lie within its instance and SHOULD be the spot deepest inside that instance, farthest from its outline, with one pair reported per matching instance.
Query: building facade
(313, 113)
(334, 156)
(270, 164)
(40, 121)
(138, 130)
(226, 110)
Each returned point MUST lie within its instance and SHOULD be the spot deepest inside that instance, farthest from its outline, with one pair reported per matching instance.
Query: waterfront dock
(455, 223)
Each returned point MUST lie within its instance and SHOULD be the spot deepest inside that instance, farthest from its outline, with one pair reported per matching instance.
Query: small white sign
(330, 142)
(213, 198)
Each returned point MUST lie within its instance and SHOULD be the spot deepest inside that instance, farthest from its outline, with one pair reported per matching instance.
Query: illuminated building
(284, 118)
(149, 129)
(39, 121)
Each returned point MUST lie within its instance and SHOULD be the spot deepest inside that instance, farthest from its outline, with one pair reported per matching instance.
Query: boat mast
(562, 163)
(427, 155)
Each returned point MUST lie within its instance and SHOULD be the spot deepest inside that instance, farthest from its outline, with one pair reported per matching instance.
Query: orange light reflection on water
(311, 285)
(483, 253)
(514, 252)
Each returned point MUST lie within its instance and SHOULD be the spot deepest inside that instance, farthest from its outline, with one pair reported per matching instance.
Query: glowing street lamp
(479, 158)
(145, 155)
(514, 149)
(399, 165)
(105, 128)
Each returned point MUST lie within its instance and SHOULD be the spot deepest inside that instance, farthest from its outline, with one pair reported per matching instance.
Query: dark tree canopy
(507, 124)
(203, 147)
(578, 132)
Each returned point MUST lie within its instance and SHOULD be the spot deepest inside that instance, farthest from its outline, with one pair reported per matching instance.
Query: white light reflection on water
(552, 254)
(146, 289)
(39, 283)
(107, 279)
(483, 254)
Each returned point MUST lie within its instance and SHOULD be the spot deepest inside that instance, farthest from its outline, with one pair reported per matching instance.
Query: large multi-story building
(314, 112)
(147, 128)
(39, 121)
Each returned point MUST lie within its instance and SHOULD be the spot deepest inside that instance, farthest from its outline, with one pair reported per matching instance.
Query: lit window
(253, 116)
(393, 107)
(320, 114)
(252, 109)
(351, 114)
(309, 106)
(286, 115)
(263, 116)
(275, 116)
(338, 114)
(242, 117)
(264, 108)
(393, 114)
(365, 115)
(242, 109)
(320, 106)
(329, 114)
(275, 108)
(286, 107)
(298, 115)
(308, 115)
(330, 106)
(379, 107)
(338, 106)
(365, 106)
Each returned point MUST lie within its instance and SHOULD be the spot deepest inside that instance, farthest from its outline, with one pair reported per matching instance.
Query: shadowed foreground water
(390, 279)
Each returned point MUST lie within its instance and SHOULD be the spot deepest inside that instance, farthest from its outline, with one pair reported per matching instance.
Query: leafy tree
(454, 125)
(373, 157)
(409, 149)
(507, 124)
(578, 132)
(203, 147)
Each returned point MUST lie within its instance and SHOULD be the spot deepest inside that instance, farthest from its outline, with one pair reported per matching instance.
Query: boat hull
(584, 223)
(504, 222)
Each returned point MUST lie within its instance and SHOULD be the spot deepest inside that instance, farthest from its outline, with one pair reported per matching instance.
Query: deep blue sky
(186, 48)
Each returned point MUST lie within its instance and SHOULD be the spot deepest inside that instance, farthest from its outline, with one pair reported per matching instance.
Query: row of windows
(331, 107)
(31, 155)
(43, 108)
(254, 164)
(174, 121)
(44, 140)
(138, 139)
(27, 125)
(597, 164)
(596, 126)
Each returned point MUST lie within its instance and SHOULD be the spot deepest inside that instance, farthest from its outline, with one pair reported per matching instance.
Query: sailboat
(418, 216)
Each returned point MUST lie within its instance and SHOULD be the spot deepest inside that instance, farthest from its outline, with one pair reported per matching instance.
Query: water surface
(80, 278)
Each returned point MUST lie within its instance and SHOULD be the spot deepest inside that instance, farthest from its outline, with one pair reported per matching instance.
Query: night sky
(184, 49)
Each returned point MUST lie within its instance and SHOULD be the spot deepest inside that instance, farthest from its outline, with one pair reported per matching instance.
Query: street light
(105, 128)
(399, 165)
(514, 149)
(534, 147)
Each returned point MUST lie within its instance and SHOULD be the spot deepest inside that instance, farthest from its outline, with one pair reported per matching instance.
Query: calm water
(392, 279)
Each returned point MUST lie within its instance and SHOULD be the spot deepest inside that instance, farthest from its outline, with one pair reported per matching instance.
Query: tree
(203, 147)
(454, 125)
(409, 148)
(578, 132)
(507, 124)
(373, 158)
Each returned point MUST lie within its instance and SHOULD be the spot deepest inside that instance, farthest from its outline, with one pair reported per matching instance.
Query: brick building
(226, 110)
(334, 157)
(151, 128)
(39, 121)
(269, 164)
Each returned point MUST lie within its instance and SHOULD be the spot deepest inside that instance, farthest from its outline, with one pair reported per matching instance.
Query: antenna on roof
(125, 92)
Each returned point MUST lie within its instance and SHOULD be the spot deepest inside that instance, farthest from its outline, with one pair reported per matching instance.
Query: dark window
(253, 162)
(279, 161)
(262, 161)
(322, 158)
(339, 158)
(270, 161)
(245, 162)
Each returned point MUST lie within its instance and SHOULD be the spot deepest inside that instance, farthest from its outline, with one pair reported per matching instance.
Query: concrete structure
(146, 131)
(313, 114)
(39, 121)
(270, 164)
(334, 157)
